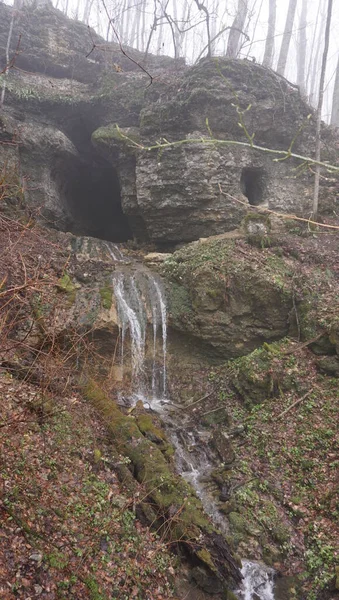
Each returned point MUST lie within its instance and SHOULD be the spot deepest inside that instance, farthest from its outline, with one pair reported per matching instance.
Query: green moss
(151, 467)
(113, 139)
(310, 327)
(57, 560)
(93, 588)
(106, 294)
(230, 595)
(205, 557)
(66, 286)
(237, 522)
(147, 426)
(264, 373)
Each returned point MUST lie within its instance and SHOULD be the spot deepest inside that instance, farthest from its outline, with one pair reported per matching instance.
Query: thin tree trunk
(314, 37)
(319, 109)
(255, 27)
(152, 30)
(76, 16)
(206, 11)
(122, 22)
(313, 86)
(301, 49)
(269, 45)
(237, 28)
(213, 26)
(131, 36)
(138, 14)
(143, 27)
(87, 10)
(6, 71)
(160, 41)
(285, 44)
(177, 33)
(335, 100)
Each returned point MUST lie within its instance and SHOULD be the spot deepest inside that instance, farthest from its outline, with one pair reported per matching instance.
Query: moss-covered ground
(68, 527)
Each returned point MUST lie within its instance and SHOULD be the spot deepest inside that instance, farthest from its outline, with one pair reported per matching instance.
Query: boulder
(227, 297)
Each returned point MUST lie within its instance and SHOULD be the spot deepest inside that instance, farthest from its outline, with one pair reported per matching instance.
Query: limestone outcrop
(225, 298)
(71, 89)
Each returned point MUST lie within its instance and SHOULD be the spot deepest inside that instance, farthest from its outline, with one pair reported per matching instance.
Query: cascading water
(141, 302)
(258, 582)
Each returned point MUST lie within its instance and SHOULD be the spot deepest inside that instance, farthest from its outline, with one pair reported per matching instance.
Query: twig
(294, 404)
(197, 401)
(122, 50)
(11, 62)
(277, 214)
(304, 344)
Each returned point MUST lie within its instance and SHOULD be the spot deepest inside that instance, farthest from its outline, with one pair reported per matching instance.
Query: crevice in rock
(253, 185)
(90, 191)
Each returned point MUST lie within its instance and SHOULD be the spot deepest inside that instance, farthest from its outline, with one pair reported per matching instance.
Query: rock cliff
(67, 89)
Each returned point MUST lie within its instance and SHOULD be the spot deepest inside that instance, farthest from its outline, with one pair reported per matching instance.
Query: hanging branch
(122, 50)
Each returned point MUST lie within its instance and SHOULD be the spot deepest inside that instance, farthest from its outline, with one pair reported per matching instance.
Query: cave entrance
(91, 194)
(253, 185)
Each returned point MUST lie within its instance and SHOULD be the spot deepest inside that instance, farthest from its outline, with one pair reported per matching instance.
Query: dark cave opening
(90, 190)
(253, 185)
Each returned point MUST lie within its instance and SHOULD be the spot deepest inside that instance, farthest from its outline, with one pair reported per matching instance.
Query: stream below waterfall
(142, 314)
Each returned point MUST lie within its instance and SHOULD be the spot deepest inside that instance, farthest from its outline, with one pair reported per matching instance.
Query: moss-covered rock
(111, 139)
(176, 503)
(257, 228)
(66, 285)
(223, 297)
(106, 294)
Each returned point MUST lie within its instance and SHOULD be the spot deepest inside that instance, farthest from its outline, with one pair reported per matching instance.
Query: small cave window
(253, 185)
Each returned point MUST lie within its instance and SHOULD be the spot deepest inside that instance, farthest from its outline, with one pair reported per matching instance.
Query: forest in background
(288, 37)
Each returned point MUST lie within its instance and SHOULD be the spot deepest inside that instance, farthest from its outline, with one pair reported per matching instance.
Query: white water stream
(142, 314)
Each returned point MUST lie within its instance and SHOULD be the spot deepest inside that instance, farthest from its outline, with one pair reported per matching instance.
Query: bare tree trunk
(319, 109)
(206, 11)
(255, 27)
(87, 10)
(160, 42)
(301, 49)
(138, 15)
(213, 26)
(314, 37)
(122, 21)
(76, 16)
(6, 71)
(143, 27)
(152, 30)
(236, 29)
(269, 45)
(177, 33)
(313, 86)
(285, 44)
(335, 100)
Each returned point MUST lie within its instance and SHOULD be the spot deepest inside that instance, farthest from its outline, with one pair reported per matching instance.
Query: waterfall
(140, 302)
(142, 313)
(131, 316)
(258, 582)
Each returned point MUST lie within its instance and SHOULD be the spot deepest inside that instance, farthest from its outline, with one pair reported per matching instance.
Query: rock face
(81, 175)
(222, 296)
